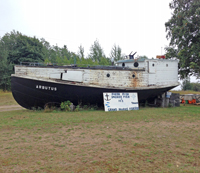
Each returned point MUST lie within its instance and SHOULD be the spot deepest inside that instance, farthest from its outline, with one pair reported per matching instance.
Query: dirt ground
(10, 108)
(148, 140)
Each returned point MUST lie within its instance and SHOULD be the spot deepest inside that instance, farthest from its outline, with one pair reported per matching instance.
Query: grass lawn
(6, 98)
(186, 92)
(147, 140)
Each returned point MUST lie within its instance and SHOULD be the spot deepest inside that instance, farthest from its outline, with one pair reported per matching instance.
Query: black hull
(31, 93)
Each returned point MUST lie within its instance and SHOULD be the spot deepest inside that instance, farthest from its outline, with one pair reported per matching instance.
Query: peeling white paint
(152, 73)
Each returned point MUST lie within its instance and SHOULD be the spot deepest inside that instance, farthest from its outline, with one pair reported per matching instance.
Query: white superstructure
(134, 73)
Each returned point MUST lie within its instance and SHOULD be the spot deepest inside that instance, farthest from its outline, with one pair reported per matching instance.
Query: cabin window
(108, 75)
(136, 64)
(123, 64)
(166, 65)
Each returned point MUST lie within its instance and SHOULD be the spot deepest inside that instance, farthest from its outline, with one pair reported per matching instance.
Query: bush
(186, 85)
(195, 86)
(65, 106)
(77, 108)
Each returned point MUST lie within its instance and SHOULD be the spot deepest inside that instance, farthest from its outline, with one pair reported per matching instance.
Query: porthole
(133, 76)
(153, 65)
(166, 65)
(136, 64)
(108, 75)
(123, 64)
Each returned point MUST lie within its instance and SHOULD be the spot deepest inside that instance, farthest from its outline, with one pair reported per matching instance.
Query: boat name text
(46, 87)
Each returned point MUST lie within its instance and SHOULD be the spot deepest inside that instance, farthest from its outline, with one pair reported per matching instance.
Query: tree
(195, 86)
(96, 52)
(183, 30)
(105, 61)
(22, 48)
(54, 53)
(46, 48)
(116, 53)
(65, 52)
(143, 57)
(186, 85)
(81, 52)
(16, 48)
(6, 69)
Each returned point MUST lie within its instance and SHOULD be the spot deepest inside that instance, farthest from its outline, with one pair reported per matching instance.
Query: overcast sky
(134, 25)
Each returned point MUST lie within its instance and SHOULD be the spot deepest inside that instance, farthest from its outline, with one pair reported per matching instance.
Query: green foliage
(96, 52)
(81, 52)
(46, 48)
(6, 69)
(77, 108)
(65, 105)
(61, 56)
(21, 48)
(183, 32)
(95, 107)
(186, 85)
(144, 57)
(85, 107)
(116, 53)
(104, 61)
(195, 86)
(16, 47)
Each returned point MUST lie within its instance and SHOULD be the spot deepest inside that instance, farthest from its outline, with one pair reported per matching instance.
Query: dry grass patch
(181, 92)
(6, 98)
(148, 140)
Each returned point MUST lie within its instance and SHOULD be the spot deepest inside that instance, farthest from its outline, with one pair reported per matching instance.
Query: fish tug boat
(34, 86)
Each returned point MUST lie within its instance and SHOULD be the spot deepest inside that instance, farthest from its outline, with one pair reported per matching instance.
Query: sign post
(120, 101)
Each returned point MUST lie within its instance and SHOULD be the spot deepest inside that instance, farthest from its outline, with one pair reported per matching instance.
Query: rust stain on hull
(137, 79)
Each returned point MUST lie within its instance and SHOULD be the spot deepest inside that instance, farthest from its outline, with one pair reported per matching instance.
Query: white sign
(120, 101)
